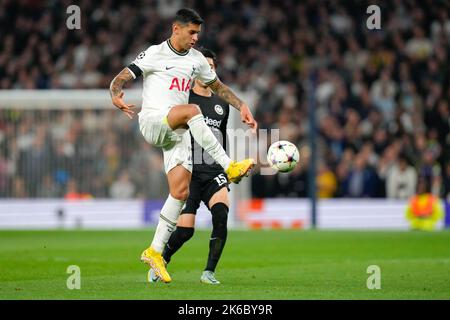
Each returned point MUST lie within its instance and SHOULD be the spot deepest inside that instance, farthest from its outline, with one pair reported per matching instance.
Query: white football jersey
(169, 75)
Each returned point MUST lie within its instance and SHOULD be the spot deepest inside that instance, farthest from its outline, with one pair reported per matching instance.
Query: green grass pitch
(255, 265)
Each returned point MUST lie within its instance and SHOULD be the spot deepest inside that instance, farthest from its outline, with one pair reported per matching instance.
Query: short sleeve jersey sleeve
(206, 74)
(145, 62)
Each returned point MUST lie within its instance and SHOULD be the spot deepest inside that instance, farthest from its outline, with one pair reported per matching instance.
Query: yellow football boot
(237, 170)
(156, 262)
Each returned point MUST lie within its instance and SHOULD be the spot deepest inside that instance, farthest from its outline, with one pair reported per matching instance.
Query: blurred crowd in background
(77, 154)
(383, 116)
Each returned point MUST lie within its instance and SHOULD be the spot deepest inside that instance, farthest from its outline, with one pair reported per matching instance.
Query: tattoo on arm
(117, 83)
(224, 92)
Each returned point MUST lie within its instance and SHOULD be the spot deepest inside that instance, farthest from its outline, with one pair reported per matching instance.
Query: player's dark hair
(186, 16)
(209, 54)
(403, 157)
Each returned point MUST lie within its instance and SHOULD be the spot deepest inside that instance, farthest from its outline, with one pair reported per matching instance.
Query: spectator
(383, 92)
(446, 184)
(48, 189)
(4, 179)
(33, 164)
(73, 192)
(326, 182)
(361, 181)
(430, 170)
(442, 124)
(401, 180)
(19, 190)
(122, 188)
(419, 47)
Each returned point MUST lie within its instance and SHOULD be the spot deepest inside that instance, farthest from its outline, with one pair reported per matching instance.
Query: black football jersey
(216, 112)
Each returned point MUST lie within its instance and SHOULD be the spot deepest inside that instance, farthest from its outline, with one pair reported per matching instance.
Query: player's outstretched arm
(224, 92)
(115, 89)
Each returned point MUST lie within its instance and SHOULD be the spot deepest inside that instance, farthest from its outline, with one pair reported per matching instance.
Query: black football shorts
(203, 186)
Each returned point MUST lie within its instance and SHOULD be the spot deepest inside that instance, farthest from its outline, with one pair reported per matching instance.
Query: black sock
(176, 240)
(219, 213)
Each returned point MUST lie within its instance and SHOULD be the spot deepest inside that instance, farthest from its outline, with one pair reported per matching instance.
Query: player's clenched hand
(247, 117)
(126, 108)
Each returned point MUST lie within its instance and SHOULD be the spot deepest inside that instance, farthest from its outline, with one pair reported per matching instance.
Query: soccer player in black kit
(209, 182)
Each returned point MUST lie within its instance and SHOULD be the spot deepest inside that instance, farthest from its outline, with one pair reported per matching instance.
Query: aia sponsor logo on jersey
(180, 85)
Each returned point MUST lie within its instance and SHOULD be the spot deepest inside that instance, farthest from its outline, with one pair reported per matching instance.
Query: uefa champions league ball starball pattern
(283, 156)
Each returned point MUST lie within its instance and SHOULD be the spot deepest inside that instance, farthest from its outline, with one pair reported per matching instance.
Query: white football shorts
(176, 145)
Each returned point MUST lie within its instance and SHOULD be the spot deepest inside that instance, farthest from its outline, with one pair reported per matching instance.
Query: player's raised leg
(182, 116)
(179, 178)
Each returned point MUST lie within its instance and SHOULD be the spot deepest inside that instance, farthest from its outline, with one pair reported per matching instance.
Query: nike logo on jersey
(168, 68)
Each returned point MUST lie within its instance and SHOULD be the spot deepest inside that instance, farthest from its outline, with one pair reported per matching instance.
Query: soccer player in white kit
(169, 70)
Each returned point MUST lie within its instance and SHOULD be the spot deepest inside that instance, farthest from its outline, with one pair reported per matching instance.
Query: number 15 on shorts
(221, 179)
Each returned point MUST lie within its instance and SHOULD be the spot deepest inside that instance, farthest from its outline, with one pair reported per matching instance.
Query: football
(283, 156)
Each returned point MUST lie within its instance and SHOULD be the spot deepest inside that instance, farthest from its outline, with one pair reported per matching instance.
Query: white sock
(205, 138)
(167, 222)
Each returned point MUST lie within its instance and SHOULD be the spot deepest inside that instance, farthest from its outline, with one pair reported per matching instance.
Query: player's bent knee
(193, 110)
(180, 194)
(220, 210)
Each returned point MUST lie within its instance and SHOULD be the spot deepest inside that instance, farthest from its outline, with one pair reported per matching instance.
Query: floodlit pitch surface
(254, 265)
